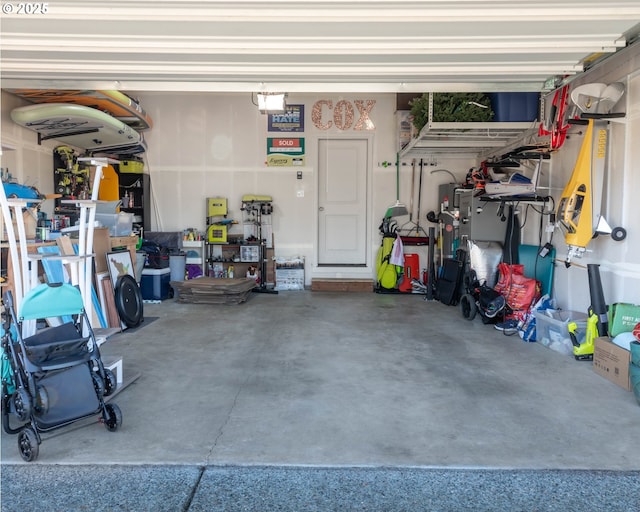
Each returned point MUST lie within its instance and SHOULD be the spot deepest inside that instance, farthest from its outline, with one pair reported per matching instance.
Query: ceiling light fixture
(272, 102)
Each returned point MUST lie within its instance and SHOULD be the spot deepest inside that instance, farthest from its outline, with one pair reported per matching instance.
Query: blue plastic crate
(515, 107)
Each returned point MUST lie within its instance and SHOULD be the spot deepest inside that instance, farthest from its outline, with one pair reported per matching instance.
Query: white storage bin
(119, 224)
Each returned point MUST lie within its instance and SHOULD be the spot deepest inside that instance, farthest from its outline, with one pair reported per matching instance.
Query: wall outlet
(300, 193)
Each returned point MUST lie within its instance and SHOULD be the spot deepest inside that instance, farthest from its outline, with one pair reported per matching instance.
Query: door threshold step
(341, 285)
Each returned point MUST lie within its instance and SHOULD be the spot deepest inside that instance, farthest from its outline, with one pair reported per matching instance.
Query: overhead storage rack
(469, 138)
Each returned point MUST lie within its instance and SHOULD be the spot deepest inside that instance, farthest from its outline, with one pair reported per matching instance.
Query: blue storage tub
(154, 284)
(515, 107)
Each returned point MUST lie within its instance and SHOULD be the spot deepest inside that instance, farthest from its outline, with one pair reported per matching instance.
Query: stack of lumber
(208, 290)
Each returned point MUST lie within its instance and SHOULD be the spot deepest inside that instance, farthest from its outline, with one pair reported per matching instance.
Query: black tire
(22, 404)
(128, 299)
(42, 400)
(469, 280)
(112, 417)
(98, 384)
(619, 234)
(468, 306)
(28, 445)
(110, 382)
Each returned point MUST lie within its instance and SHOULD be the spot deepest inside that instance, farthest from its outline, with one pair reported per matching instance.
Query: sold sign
(285, 152)
(343, 114)
(285, 145)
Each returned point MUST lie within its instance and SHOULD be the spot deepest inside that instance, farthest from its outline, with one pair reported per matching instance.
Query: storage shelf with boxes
(134, 188)
(244, 258)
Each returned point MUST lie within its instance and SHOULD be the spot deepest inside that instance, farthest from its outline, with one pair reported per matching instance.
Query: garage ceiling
(287, 45)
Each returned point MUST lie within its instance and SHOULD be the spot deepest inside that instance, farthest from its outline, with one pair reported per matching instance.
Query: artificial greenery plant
(454, 107)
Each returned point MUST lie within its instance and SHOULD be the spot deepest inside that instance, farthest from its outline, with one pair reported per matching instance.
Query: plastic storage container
(514, 107)
(249, 253)
(552, 329)
(177, 266)
(289, 274)
(154, 284)
(119, 224)
(131, 166)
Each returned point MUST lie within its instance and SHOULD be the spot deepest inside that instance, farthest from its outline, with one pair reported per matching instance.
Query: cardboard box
(30, 219)
(612, 362)
(101, 246)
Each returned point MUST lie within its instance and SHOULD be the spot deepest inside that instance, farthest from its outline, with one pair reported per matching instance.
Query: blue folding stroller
(55, 375)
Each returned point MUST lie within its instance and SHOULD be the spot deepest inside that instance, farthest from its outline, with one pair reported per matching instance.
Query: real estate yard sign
(285, 152)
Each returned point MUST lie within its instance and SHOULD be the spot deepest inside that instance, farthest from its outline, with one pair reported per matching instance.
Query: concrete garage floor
(341, 401)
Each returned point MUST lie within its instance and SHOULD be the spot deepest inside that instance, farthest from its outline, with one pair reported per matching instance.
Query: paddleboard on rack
(115, 103)
(80, 126)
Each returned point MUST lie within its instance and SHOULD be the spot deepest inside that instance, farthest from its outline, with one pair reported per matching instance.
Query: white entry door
(342, 202)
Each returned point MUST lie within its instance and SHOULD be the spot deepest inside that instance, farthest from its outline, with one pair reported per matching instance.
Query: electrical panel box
(449, 199)
(217, 206)
(481, 220)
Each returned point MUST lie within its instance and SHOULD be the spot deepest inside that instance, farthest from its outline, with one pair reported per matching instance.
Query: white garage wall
(28, 162)
(619, 261)
(206, 145)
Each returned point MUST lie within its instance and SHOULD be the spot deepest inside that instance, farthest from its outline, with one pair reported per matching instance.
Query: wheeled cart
(53, 375)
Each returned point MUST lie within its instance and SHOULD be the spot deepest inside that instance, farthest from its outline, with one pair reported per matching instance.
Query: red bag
(520, 292)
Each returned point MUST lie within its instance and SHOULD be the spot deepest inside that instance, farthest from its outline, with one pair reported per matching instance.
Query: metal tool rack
(256, 207)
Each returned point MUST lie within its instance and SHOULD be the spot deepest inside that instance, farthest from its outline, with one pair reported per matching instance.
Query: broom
(397, 209)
